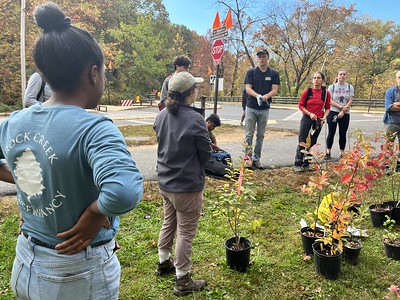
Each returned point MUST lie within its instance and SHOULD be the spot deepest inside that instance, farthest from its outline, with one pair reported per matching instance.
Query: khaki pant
(181, 215)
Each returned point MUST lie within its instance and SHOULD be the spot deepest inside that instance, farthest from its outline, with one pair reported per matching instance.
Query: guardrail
(374, 103)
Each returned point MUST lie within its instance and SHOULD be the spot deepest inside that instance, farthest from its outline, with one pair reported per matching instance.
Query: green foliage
(233, 197)
(277, 267)
(391, 234)
(355, 174)
(389, 158)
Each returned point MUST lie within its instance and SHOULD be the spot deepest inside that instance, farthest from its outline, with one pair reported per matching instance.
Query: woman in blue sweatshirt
(73, 172)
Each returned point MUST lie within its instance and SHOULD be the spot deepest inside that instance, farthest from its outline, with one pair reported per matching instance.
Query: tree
(379, 45)
(247, 18)
(303, 35)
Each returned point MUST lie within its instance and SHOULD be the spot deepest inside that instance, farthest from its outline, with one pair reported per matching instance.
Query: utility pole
(22, 49)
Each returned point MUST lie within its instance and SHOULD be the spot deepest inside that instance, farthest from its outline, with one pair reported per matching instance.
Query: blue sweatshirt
(392, 95)
(62, 159)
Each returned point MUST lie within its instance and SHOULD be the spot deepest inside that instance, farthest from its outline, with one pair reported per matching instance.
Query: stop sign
(217, 50)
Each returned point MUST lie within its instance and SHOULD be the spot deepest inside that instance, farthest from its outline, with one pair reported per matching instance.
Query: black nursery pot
(351, 255)
(378, 217)
(391, 251)
(395, 211)
(238, 259)
(326, 265)
(307, 241)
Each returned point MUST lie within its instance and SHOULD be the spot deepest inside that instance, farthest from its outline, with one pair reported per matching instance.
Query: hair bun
(49, 17)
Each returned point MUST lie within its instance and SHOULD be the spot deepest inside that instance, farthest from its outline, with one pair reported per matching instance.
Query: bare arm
(273, 92)
(82, 234)
(5, 174)
(395, 107)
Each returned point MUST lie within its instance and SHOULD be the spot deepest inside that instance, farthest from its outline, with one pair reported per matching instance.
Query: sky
(198, 15)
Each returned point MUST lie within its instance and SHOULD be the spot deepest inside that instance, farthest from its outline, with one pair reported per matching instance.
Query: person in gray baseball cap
(184, 147)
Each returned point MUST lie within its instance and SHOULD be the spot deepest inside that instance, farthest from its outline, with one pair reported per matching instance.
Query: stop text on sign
(217, 51)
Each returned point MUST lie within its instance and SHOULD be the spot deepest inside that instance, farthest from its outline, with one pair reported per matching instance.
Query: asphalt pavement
(276, 153)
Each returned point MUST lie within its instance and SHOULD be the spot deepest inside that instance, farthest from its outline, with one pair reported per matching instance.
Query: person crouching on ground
(183, 150)
(315, 103)
(213, 121)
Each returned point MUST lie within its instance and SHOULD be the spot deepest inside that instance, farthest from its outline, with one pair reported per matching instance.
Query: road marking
(297, 116)
(236, 122)
(371, 120)
(141, 122)
(369, 115)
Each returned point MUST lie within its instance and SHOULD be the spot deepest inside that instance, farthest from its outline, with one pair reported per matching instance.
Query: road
(276, 153)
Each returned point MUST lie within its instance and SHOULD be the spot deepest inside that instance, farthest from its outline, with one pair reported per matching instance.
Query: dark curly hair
(215, 119)
(182, 61)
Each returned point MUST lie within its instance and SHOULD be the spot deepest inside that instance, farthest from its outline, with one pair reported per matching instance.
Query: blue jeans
(42, 273)
(255, 117)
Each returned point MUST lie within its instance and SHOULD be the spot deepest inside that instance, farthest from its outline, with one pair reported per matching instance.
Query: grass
(278, 269)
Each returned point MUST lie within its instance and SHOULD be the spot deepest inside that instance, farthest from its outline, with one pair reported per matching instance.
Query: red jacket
(315, 104)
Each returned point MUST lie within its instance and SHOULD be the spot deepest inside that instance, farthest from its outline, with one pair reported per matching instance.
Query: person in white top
(37, 90)
(342, 99)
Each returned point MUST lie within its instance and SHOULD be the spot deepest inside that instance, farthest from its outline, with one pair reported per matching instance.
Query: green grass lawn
(278, 268)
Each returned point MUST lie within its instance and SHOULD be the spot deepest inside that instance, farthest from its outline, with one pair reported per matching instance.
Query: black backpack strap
(253, 71)
(309, 95)
(323, 96)
(41, 90)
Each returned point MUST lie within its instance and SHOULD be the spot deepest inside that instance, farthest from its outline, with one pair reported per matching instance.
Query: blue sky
(199, 15)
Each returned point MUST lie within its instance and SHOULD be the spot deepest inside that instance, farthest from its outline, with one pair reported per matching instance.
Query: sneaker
(258, 165)
(308, 158)
(241, 123)
(298, 169)
(328, 156)
(185, 285)
(307, 168)
(249, 165)
(166, 267)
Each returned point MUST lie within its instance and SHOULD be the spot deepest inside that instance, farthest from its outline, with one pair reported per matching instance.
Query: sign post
(218, 47)
(217, 50)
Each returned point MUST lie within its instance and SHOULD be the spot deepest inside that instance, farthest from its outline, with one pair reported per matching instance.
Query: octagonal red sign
(217, 49)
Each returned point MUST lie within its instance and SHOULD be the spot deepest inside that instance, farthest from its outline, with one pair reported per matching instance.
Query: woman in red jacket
(315, 103)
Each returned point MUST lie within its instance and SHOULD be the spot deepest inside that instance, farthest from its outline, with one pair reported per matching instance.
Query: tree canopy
(140, 42)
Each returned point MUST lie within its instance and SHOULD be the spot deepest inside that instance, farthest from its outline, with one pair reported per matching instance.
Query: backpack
(41, 91)
(218, 164)
(310, 94)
